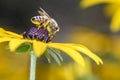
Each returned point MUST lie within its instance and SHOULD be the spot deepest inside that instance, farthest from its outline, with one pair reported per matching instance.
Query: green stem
(33, 59)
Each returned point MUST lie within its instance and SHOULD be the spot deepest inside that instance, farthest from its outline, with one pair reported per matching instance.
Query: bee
(45, 27)
(44, 20)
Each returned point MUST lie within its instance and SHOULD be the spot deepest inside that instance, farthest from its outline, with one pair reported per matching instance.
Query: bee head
(35, 21)
(53, 27)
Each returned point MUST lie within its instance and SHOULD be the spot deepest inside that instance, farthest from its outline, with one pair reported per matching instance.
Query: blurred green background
(86, 26)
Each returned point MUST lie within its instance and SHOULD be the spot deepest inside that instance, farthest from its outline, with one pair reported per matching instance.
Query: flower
(100, 43)
(15, 40)
(38, 40)
(87, 3)
(108, 45)
(112, 9)
(71, 71)
(103, 72)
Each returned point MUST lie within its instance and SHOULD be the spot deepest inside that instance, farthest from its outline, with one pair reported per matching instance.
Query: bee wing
(43, 13)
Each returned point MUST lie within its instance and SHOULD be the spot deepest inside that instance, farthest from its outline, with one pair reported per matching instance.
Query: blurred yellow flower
(109, 71)
(106, 45)
(13, 66)
(15, 40)
(71, 71)
(100, 43)
(112, 9)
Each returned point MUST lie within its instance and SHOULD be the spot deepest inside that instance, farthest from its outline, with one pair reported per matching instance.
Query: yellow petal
(39, 47)
(9, 34)
(2, 30)
(72, 53)
(86, 51)
(89, 3)
(14, 34)
(5, 39)
(2, 33)
(115, 23)
(15, 43)
(5, 35)
(110, 9)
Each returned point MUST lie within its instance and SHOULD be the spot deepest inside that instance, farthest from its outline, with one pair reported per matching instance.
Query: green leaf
(24, 48)
(47, 55)
(54, 56)
(57, 52)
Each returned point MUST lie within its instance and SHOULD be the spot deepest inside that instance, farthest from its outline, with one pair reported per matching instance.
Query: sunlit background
(90, 27)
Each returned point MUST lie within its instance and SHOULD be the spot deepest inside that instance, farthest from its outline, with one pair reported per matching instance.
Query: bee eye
(57, 28)
(35, 20)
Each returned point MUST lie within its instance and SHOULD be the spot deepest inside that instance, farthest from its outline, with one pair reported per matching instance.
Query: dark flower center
(38, 33)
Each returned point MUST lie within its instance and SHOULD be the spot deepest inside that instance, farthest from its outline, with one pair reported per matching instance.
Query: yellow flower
(104, 73)
(15, 40)
(112, 9)
(71, 71)
(100, 43)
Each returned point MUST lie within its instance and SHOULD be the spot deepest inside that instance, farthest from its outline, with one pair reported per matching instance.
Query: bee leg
(46, 37)
(24, 35)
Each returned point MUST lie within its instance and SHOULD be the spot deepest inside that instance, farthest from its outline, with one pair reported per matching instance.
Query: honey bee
(45, 27)
(44, 20)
